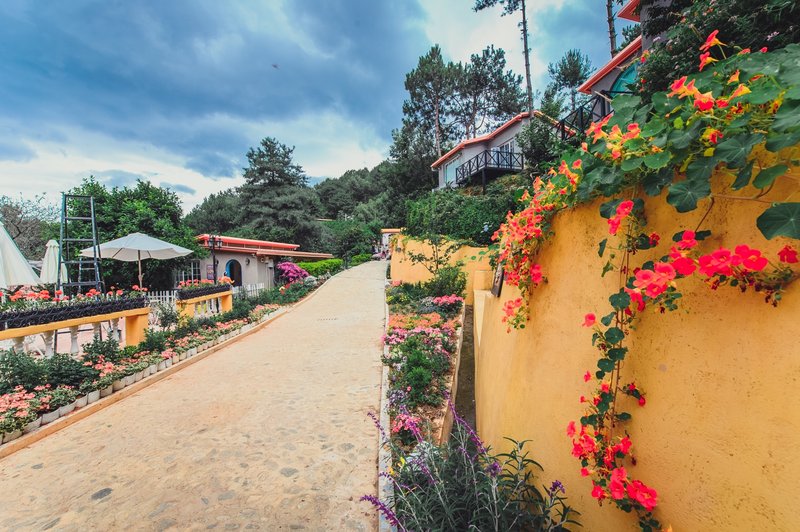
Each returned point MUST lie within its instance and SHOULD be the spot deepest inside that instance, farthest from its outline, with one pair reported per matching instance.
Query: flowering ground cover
(33, 390)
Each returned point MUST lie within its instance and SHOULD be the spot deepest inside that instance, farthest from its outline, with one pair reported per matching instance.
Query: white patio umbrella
(14, 269)
(49, 273)
(135, 247)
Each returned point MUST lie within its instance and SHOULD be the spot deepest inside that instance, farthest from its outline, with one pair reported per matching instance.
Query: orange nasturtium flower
(711, 41)
(705, 60)
(704, 102)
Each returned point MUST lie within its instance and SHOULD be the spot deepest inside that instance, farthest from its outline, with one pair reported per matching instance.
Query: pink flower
(684, 266)
(624, 208)
(587, 377)
(585, 472)
(642, 494)
(571, 429)
(589, 320)
(687, 241)
(751, 258)
(597, 492)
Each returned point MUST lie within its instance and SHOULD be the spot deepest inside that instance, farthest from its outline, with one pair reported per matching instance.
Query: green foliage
(30, 223)
(569, 72)
(62, 369)
(361, 258)
(322, 267)
(741, 23)
(143, 208)
(448, 280)
(459, 216)
(346, 238)
(218, 214)
(342, 195)
(108, 349)
(20, 369)
(461, 485)
(154, 341)
(240, 310)
(166, 315)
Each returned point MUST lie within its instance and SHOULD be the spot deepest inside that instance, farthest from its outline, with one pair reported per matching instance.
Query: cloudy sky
(176, 92)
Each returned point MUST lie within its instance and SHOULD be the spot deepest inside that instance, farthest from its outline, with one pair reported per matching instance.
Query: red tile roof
(483, 138)
(623, 55)
(233, 243)
(628, 11)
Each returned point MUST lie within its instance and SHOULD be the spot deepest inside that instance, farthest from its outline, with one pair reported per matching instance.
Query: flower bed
(38, 391)
(65, 310)
(192, 289)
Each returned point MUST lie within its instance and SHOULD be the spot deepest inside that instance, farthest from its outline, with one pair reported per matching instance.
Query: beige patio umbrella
(14, 268)
(49, 273)
(135, 247)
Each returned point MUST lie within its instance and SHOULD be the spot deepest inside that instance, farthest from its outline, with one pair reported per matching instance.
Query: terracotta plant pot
(81, 401)
(66, 409)
(33, 425)
(8, 436)
(49, 417)
(108, 390)
(92, 396)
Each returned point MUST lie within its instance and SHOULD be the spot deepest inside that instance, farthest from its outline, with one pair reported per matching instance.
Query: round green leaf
(657, 160)
(768, 175)
(782, 219)
(685, 195)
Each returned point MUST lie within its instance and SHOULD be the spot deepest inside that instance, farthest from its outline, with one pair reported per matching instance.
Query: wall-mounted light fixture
(247, 261)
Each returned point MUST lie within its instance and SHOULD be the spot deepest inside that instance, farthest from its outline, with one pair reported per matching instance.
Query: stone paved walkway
(270, 433)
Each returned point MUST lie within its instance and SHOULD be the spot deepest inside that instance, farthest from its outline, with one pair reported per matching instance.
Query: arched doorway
(234, 270)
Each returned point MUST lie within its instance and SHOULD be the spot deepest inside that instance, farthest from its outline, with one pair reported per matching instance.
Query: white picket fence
(168, 296)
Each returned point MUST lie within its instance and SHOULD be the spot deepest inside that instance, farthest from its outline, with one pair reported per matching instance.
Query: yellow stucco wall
(720, 433)
(403, 270)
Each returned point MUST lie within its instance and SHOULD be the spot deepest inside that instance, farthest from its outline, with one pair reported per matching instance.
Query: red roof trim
(623, 55)
(229, 242)
(628, 11)
(483, 138)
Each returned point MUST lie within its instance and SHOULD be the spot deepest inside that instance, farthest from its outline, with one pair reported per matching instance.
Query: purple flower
(385, 510)
(494, 469)
(556, 487)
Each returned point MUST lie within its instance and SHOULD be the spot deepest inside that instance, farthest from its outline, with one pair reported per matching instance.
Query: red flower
(589, 320)
(711, 41)
(705, 60)
(751, 258)
(571, 429)
(585, 472)
(704, 102)
(642, 400)
(587, 377)
(636, 297)
(624, 445)
(788, 254)
(684, 266)
(645, 496)
(597, 492)
(687, 240)
(625, 208)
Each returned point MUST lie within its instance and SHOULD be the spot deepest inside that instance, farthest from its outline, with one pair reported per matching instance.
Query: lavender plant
(462, 485)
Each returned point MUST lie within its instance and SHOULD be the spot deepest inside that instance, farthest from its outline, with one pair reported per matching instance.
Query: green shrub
(240, 310)
(108, 349)
(20, 369)
(63, 369)
(449, 280)
(166, 315)
(361, 258)
(322, 267)
(154, 341)
(418, 379)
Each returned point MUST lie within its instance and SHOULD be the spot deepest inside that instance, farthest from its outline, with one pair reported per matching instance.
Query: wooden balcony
(488, 164)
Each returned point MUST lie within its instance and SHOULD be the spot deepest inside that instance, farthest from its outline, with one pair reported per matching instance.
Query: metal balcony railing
(594, 110)
(488, 160)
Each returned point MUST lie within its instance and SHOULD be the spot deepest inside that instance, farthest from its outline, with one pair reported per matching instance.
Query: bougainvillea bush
(290, 272)
(728, 132)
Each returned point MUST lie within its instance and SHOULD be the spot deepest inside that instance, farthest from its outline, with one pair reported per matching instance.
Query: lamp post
(215, 243)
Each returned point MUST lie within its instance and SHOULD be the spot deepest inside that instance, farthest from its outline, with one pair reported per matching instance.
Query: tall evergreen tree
(569, 72)
(486, 94)
(509, 7)
(431, 87)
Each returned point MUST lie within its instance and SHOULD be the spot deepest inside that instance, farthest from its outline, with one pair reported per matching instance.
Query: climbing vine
(737, 119)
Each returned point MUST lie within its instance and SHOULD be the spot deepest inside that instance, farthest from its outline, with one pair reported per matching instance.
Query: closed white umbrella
(14, 269)
(49, 273)
(135, 247)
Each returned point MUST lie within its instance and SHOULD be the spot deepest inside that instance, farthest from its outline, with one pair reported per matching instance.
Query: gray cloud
(118, 178)
(177, 187)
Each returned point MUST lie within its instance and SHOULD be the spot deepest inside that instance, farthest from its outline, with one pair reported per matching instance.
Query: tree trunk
(527, 57)
(438, 128)
(612, 32)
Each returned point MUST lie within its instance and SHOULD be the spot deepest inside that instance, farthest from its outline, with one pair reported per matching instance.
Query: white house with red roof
(477, 160)
(244, 260)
